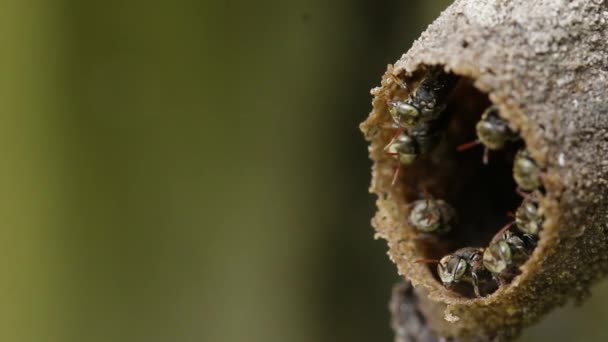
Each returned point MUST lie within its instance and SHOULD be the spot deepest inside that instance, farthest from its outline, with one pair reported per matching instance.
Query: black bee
(526, 172)
(527, 218)
(427, 103)
(429, 216)
(506, 252)
(404, 148)
(464, 265)
(493, 132)
(410, 144)
(404, 113)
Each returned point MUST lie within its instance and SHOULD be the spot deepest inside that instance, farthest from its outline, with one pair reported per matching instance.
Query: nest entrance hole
(482, 195)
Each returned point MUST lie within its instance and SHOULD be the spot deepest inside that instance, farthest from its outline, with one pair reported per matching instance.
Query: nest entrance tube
(544, 65)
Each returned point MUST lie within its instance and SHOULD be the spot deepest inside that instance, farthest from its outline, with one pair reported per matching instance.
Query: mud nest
(488, 139)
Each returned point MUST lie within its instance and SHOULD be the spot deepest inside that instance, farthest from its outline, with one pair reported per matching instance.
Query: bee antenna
(427, 261)
(467, 146)
(510, 214)
(503, 230)
(398, 132)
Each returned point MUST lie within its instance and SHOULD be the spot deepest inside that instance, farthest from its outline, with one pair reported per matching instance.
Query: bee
(404, 148)
(493, 132)
(505, 253)
(527, 218)
(410, 144)
(427, 103)
(404, 113)
(464, 265)
(526, 172)
(430, 216)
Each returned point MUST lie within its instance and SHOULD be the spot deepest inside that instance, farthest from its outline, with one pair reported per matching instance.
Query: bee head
(497, 257)
(404, 148)
(404, 113)
(525, 171)
(426, 216)
(493, 132)
(451, 269)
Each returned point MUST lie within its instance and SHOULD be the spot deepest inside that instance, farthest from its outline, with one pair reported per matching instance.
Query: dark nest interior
(483, 195)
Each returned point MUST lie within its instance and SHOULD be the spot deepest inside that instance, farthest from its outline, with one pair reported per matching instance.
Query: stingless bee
(427, 103)
(409, 144)
(404, 113)
(506, 252)
(526, 172)
(527, 217)
(493, 132)
(404, 148)
(416, 118)
(464, 265)
(429, 216)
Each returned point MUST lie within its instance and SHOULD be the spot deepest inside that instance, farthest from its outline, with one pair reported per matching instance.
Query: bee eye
(444, 270)
(461, 268)
(403, 113)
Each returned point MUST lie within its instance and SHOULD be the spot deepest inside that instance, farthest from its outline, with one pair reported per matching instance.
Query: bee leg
(530, 240)
(532, 196)
(524, 250)
(523, 194)
(485, 158)
(397, 80)
(397, 134)
(520, 246)
(388, 125)
(390, 68)
(498, 280)
(475, 284)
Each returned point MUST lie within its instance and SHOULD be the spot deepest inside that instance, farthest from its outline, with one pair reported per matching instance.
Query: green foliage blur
(193, 171)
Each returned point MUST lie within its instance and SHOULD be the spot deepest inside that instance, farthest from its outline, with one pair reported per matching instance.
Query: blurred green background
(193, 171)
